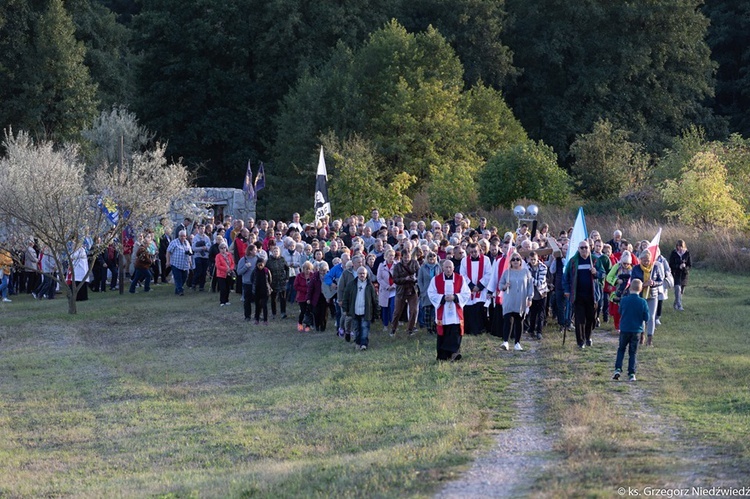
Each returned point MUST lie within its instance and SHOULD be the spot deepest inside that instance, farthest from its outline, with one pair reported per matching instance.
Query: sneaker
(363, 347)
(582, 346)
(518, 347)
(34, 295)
(680, 309)
(412, 332)
(300, 327)
(588, 343)
(631, 377)
(5, 300)
(539, 336)
(307, 329)
(616, 375)
(392, 334)
(221, 304)
(228, 304)
(283, 316)
(676, 307)
(341, 333)
(657, 322)
(598, 323)
(505, 346)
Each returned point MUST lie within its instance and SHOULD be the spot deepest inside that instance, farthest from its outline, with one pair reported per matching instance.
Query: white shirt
(450, 315)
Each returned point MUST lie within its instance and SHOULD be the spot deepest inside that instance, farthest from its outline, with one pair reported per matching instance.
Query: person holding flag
(652, 277)
(581, 288)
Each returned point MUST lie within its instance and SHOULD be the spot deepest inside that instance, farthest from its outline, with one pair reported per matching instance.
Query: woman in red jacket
(301, 285)
(224, 263)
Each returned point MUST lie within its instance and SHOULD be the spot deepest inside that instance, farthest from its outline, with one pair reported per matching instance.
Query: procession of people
(445, 279)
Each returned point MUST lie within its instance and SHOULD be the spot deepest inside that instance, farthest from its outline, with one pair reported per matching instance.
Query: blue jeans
(386, 313)
(4, 286)
(179, 280)
(361, 327)
(630, 341)
(563, 310)
(138, 275)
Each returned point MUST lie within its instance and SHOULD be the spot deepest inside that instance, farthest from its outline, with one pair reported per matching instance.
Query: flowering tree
(50, 193)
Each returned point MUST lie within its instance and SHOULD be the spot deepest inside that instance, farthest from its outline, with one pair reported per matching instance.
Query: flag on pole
(653, 246)
(322, 202)
(579, 234)
(109, 208)
(248, 185)
(260, 180)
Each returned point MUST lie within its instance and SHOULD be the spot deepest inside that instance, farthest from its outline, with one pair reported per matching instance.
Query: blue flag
(248, 185)
(260, 180)
(109, 208)
(579, 234)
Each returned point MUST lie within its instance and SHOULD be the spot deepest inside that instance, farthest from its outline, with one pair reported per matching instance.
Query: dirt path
(697, 464)
(521, 452)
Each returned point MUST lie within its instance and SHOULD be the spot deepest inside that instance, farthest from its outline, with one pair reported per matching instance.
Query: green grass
(155, 395)
(160, 395)
(692, 394)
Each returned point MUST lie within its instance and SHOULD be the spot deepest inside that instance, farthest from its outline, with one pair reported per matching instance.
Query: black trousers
(585, 317)
(261, 305)
(536, 316)
(512, 322)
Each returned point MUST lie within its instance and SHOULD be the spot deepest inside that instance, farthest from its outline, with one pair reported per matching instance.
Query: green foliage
(45, 87)
(733, 153)
(108, 56)
(357, 181)
(606, 163)
(642, 65)
(403, 93)
(195, 83)
(702, 197)
(102, 137)
(729, 39)
(527, 170)
(474, 28)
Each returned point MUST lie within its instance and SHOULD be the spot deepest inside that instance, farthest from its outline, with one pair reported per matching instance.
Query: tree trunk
(72, 292)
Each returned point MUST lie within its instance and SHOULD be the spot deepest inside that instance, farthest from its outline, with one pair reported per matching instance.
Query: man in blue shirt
(633, 314)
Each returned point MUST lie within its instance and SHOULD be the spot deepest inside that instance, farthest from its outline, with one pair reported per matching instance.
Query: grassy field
(156, 395)
(685, 422)
(160, 395)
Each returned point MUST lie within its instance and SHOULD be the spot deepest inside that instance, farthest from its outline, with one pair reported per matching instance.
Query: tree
(111, 129)
(474, 28)
(195, 84)
(45, 87)
(49, 192)
(729, 39)
(403, 93)
(643, 65)
(107, 56)
(357, 180)
(527, 170)
(702, 197)
(607, 165)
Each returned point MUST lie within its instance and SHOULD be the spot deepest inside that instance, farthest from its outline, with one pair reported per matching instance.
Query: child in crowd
(633, 314)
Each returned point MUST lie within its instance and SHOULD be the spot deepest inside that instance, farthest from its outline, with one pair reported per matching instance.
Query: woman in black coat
(680, 264)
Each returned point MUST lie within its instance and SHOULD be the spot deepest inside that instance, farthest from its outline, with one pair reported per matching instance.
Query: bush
(526, 170)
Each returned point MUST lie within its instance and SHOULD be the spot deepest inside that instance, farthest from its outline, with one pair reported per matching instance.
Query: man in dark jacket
(405, 277)
(361, 304)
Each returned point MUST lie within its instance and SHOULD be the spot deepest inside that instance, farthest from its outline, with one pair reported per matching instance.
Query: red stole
(390, 275)
(502, 266)
(475, 294)
(440, 287)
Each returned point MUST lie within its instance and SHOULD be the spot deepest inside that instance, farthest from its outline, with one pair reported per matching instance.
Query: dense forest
(422, 105)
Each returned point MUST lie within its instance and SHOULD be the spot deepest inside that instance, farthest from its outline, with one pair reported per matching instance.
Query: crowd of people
(445, 278)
